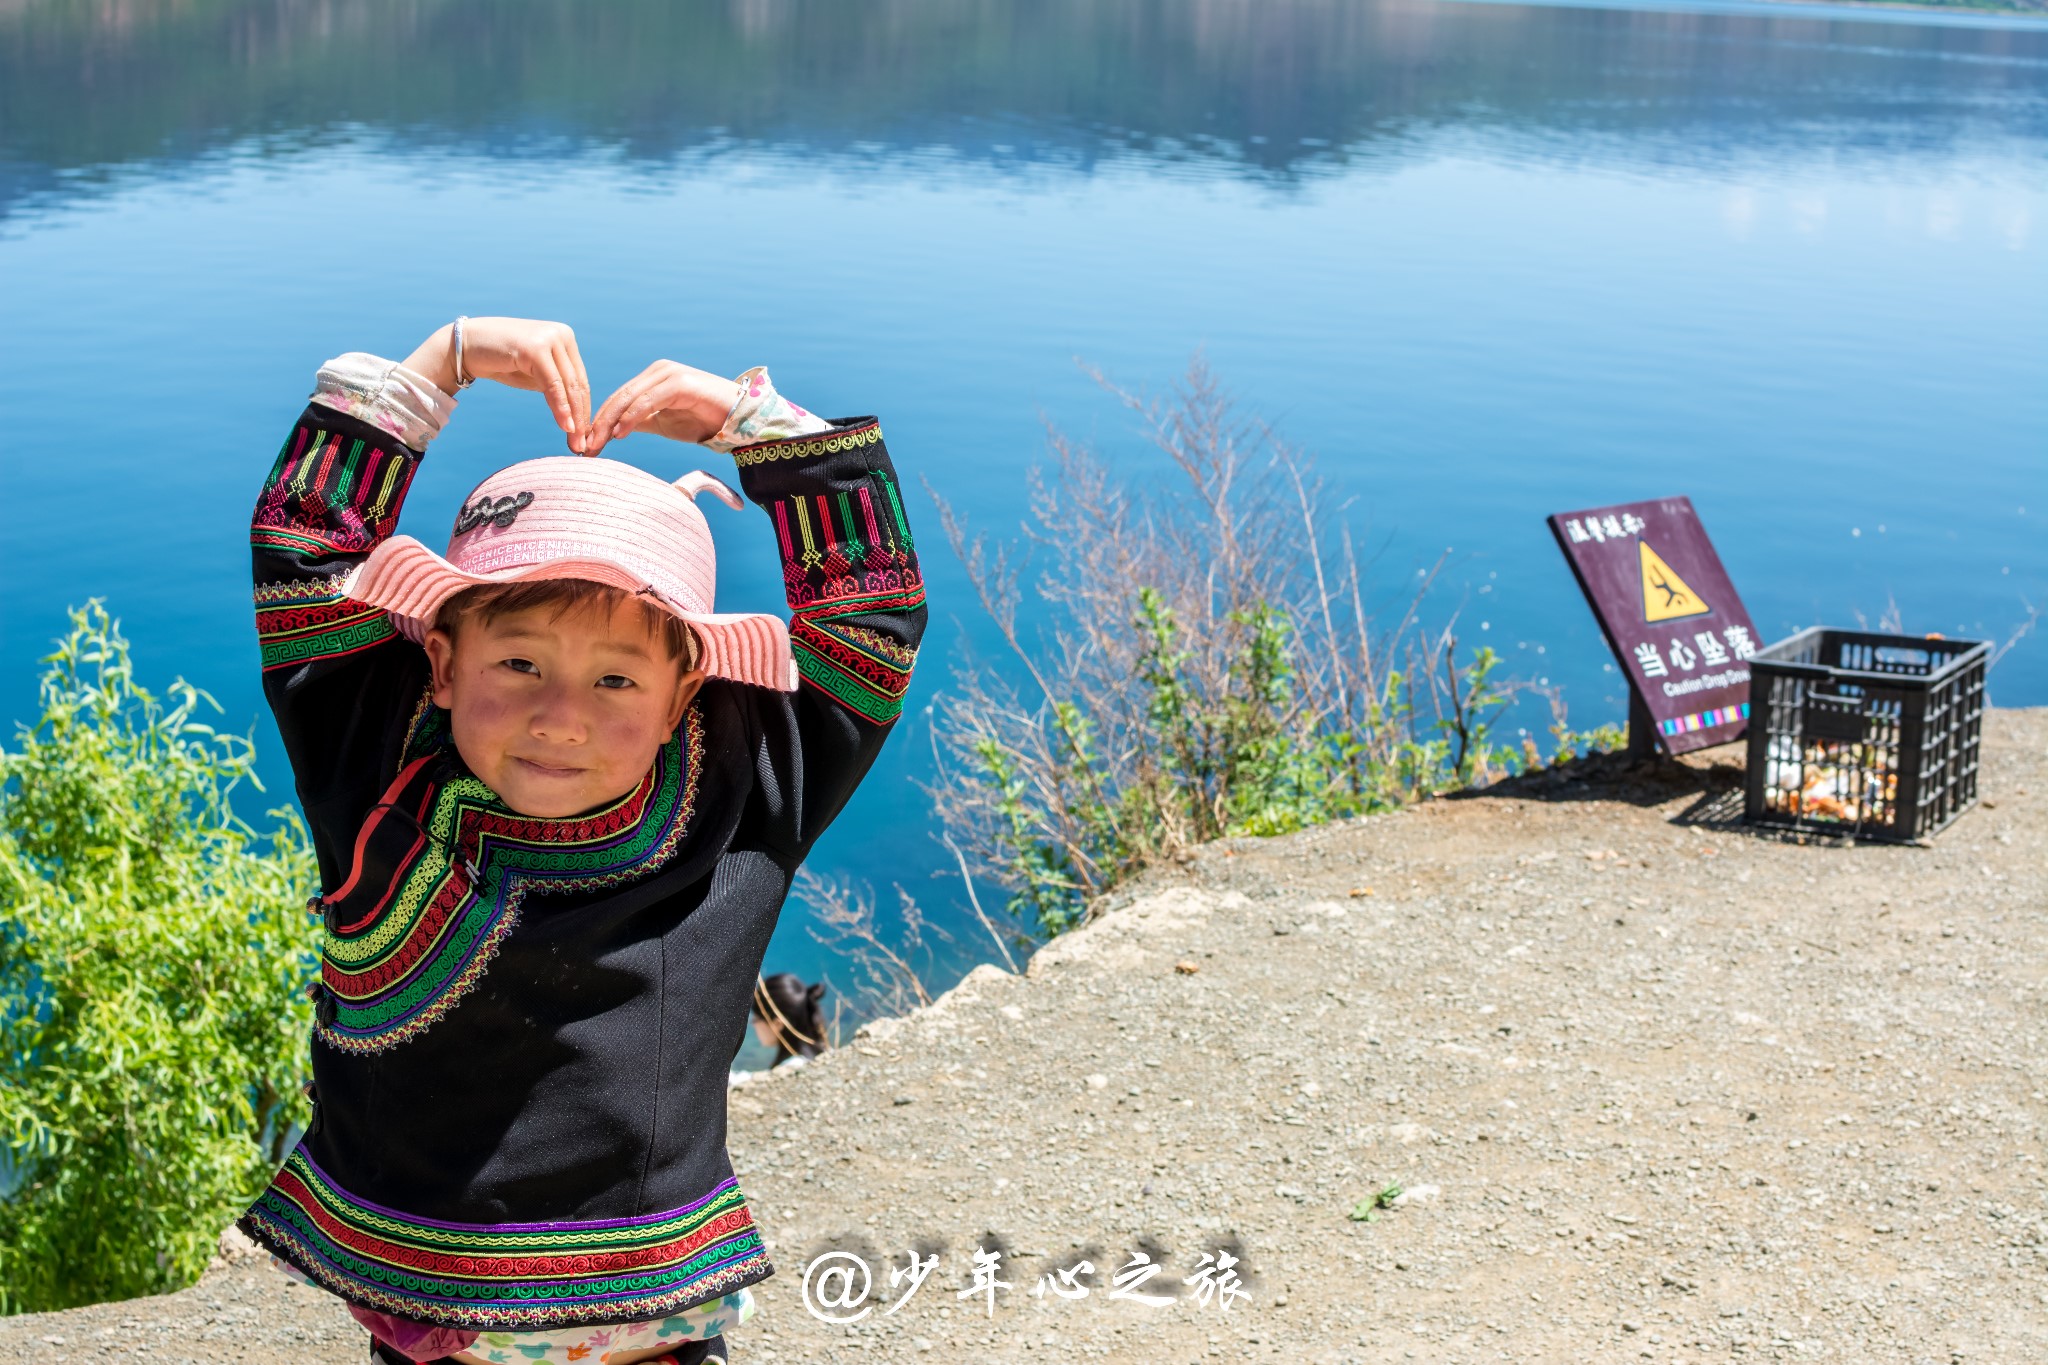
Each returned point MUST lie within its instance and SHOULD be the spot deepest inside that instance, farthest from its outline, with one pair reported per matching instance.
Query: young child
(557, 802)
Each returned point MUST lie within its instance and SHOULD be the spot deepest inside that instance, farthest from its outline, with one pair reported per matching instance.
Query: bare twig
(2019, 633)
(1315, 550)
(967, 881)
(894, 985)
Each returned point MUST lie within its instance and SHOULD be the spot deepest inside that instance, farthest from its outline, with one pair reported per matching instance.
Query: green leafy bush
(154, 955)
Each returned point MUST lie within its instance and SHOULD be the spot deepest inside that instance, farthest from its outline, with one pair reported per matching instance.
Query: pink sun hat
(570, 516)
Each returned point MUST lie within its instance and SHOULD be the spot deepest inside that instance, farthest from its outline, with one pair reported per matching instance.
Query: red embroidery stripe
(525, 1265)
(884, 676)
(476, 828)
(420, 942)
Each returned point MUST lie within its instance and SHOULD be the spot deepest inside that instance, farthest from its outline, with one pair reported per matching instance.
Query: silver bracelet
(460, 382)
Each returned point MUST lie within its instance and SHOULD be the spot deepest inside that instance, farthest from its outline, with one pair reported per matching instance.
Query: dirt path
(1657, 1090)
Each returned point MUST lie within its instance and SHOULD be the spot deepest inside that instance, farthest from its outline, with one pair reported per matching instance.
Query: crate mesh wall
(1866, 734)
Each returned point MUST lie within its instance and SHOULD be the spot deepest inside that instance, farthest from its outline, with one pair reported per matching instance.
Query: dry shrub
(1208, 667)
(886, 976)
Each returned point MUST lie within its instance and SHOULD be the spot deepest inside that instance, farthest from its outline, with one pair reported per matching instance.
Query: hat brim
(412, 582)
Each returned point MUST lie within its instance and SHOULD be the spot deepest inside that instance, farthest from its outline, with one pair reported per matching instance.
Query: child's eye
(522, 666)
(614, 681)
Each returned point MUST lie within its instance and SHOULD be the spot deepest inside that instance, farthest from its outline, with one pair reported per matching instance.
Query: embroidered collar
(441, 868)
(427, 730)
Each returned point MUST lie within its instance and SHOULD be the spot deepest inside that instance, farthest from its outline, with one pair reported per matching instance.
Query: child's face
(559, 714)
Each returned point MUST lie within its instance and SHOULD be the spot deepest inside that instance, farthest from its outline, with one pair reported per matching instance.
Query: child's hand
(669, 399)
(521, 353)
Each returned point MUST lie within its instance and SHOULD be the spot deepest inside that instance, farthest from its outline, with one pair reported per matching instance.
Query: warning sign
(1670, 615)
(1665, 595)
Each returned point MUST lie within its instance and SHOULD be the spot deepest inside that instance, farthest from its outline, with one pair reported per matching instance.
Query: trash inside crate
(1869, 735)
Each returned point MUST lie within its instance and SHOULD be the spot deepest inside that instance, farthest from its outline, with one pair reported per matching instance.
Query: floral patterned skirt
(595, 1344)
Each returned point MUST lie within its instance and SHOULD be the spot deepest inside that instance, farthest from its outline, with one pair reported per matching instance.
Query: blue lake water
(1486, 261)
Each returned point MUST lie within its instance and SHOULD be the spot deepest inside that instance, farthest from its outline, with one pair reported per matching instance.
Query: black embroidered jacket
(525, 1025)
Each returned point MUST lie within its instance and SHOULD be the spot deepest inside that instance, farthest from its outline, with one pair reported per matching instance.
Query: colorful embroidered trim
(862, 669)
(851, 438)
(330, 494)
(389, 972)
(508, 1276)
(837, 546)
(312, 619)
(428, 728)
(849, 553)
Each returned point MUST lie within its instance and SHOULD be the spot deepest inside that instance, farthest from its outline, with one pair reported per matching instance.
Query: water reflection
(1273, 89)
(1485, 260)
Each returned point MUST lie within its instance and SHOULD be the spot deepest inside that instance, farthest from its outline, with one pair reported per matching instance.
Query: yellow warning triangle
(1665, 595)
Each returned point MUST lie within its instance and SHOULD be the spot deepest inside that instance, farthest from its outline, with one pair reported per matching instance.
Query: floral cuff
(761, 414)
(387, 395)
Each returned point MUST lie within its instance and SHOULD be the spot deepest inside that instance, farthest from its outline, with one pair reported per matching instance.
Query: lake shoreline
(2037, 13)
(1645, 1078)
(2022, 17)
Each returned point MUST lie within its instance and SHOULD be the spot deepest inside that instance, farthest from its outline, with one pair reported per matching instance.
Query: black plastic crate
(1855, 733)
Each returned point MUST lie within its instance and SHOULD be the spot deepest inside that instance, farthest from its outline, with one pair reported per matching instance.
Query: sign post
(1671, 616)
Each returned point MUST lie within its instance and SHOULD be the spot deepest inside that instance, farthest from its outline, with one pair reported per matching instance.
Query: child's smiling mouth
(544, 769)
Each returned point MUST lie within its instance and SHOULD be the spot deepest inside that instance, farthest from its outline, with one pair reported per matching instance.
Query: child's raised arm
(340, 680)
(849, 566)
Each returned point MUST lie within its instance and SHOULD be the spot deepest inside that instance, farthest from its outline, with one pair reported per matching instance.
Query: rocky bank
(1653, 1087)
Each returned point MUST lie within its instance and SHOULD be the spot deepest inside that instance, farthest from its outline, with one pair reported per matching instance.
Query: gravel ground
(1655, 1088)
